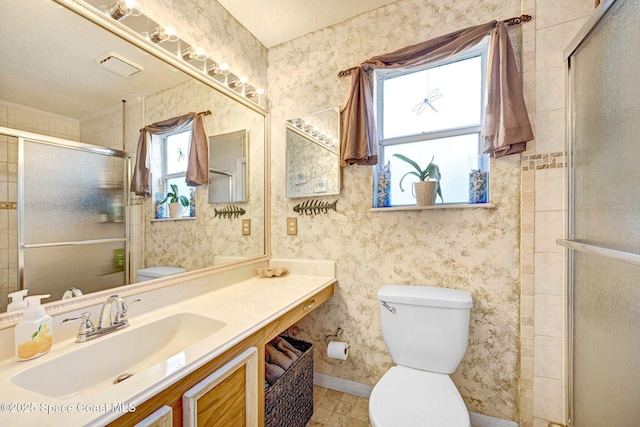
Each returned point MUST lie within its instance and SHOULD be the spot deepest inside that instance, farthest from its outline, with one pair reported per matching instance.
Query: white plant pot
(176, 210)
(425, 192)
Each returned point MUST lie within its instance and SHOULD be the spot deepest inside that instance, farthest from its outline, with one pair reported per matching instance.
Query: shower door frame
(23, 136)
(569, 241)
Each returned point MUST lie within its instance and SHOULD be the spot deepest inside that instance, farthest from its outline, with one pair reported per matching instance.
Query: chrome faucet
(110, 320)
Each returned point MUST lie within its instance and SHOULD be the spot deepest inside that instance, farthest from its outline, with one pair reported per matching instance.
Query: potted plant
(426, 189)
(175, 202)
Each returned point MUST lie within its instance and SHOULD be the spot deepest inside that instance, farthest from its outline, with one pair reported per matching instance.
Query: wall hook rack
(315, 207)
(231, 211)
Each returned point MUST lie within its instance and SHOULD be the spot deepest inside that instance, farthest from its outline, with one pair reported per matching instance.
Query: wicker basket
(289, 401)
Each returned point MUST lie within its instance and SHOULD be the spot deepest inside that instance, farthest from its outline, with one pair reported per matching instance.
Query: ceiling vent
(118, 64)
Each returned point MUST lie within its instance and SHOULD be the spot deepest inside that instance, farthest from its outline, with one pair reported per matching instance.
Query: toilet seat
(406, 397)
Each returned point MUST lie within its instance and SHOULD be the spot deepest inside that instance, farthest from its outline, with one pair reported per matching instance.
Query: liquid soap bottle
(33, 335)
(17, 301)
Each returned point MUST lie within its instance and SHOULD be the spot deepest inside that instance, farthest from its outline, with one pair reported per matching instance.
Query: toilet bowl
(425, 330)
(158, 271)
(407, 397)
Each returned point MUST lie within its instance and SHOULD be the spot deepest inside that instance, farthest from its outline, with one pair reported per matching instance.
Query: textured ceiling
(277, 21)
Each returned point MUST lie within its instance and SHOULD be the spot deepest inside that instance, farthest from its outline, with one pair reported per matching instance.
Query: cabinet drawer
(297, 313)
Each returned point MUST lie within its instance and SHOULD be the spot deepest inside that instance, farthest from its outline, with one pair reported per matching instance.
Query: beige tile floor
(336, 409)
(332, 408)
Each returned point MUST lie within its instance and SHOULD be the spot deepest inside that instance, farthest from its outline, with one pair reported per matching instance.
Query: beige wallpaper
(206, 24)
(472, 249)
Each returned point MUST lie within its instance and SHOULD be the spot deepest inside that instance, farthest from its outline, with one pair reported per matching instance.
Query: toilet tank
(158, 271)
(425, 327)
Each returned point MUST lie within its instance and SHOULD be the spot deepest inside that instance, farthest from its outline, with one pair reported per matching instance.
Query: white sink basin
(96, 364)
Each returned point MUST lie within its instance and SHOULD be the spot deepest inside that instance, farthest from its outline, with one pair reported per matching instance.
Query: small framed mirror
(313, 154)
(228, 167)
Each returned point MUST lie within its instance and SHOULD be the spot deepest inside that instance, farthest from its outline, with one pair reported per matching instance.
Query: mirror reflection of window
(176, 149)
(171, 155)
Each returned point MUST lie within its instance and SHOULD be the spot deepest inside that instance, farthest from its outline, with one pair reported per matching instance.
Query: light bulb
(123, 8)
(135, 7)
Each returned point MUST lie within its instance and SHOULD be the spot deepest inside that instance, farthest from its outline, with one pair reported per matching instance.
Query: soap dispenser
(33, 335)
(17, 301)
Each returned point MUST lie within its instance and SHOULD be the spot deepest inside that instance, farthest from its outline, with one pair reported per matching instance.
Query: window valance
(506, 123)
(198, 164)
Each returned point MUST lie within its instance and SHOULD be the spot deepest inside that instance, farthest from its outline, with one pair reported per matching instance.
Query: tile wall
(543, 211)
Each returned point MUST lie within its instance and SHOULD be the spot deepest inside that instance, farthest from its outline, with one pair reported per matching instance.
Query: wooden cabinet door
(228, 397)
(163, 417)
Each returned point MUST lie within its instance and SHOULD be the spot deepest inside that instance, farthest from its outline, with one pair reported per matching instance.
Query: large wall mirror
(52, 84)
(313, 154)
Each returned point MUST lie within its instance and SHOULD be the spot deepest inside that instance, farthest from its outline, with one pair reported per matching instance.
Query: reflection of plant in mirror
(432, 171)
(173, 197)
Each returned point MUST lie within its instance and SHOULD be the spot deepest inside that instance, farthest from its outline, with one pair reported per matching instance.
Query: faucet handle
(121, 316)
(86, 325)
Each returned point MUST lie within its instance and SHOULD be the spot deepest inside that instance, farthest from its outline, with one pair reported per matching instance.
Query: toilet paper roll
(338, 350)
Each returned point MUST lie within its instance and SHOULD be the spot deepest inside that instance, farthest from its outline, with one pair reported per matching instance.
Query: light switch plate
(292, 226)
(246, 227)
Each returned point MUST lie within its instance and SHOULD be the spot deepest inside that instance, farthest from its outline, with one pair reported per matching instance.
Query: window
(434, 112)
(171, 156)
(175, 148)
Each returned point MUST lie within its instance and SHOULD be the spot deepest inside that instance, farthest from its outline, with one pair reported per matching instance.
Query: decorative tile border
(8, 206)
(544, 161)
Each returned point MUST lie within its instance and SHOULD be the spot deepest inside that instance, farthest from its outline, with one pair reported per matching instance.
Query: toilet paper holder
(336, 337)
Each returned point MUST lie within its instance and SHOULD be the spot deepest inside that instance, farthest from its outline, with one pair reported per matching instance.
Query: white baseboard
(363, 390)
(480, 420)
(344, 386)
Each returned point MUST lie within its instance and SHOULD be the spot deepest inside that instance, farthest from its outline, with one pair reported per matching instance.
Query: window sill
(184, 218)
(435, 207)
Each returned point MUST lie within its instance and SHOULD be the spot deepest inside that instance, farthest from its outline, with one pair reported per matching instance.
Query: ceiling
(277, 21)
(33, 75)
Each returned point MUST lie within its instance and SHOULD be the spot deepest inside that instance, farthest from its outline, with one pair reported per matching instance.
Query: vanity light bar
(221, 72)
(313, 131)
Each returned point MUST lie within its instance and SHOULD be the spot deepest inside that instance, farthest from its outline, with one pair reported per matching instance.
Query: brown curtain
(508, 118)
(198, 164)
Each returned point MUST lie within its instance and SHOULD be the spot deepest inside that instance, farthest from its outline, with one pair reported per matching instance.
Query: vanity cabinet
(228, 397)
(225, 383)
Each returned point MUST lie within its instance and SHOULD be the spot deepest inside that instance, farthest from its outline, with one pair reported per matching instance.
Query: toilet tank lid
(430, 296)
(160, 271)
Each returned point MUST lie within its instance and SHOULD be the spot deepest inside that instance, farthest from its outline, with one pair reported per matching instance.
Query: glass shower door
(72, 217)
(604, 221)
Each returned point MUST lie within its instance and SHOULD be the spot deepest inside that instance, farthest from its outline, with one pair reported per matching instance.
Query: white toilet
(426, 331)
(158, 271)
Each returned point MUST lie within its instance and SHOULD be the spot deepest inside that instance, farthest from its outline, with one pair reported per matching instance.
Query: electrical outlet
(292, 226)
(246, 227)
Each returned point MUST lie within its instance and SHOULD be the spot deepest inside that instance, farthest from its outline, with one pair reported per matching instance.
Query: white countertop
(245, 306)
